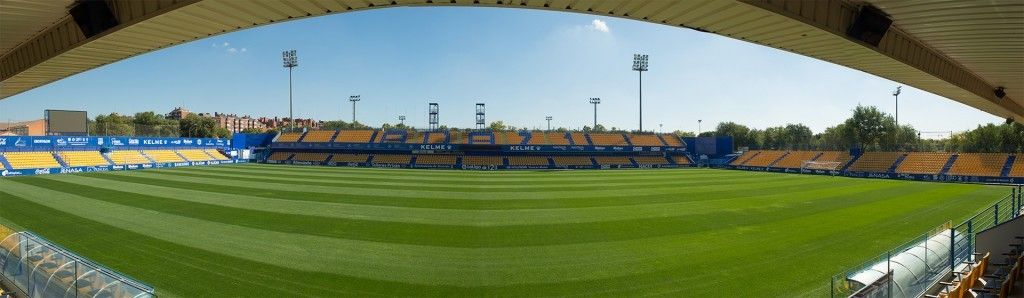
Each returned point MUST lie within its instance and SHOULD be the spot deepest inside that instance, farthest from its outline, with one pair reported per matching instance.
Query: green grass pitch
(249, 230)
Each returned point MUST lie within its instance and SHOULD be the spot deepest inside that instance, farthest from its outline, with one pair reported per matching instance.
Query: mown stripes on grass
(424, 232)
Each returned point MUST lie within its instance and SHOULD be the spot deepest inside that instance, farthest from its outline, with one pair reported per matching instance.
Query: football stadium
(213, 205)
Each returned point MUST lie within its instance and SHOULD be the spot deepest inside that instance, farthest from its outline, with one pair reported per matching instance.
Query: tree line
(870, 129)
(156, 125)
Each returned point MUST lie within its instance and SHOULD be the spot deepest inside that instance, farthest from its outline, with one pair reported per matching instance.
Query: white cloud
(226, 44)
(232, 50)
(599, 25)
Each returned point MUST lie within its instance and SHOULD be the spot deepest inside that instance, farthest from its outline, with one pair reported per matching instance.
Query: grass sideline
(246, 230)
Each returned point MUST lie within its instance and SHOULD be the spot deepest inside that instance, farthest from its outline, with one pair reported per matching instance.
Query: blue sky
(524, 64)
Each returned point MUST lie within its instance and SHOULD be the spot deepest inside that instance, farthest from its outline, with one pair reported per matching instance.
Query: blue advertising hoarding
(51, 143)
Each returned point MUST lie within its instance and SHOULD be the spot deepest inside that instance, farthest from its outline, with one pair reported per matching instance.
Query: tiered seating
(481, 139)
(842, 157)
(88, 158)
(743, 157)
(412, 138)
(379, 137)
(128, 157)
(392, 158)
(216, 154)
(765, 158)
(508, 138)
(650, 160)
(613, 160)
(923, 163)
(572, 160)
(319, 136)
(979, 164)
(163, 155)
(538, 138)
(31, 159)
(279, 156)
(1017, 170)
(578, 139)
(354, 136)
(681, 160)
(965, 280)
(605, 139)
(194, 155)
(795, 159)
(875, 162)
(289, 137)
(642, 140)
(436, 138)
(350, 157)
(310, 157)
(672, 140)
(528, 160)
(484, 160)
(435, 159)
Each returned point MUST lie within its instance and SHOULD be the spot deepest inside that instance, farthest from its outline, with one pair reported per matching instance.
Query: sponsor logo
(876, 175)
(147, 166)
(655, 149)
(435, 147)
(199, 142)
(4, 173)
(188, 142)
(601, 148)
(133, 167)
(133, 141)
(62, 142)
(116, 142)
(99, 141)
(524, 148)
(41, 141)
(181, 164)
(19, 143)
(3, 141)
(71, 170)
(176, 142)
(42, 171)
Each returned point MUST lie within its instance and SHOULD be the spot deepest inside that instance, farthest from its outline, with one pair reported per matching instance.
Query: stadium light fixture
(290, 61)
(548, 118)
(640, 66)
(698, 126)
(896, 96)
(354, 99)
(595, 101)
(401, 119)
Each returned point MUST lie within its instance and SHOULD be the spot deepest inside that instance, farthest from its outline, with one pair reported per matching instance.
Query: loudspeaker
(93, 17)
(1009, 120)
(870, 25)
(1000, 92)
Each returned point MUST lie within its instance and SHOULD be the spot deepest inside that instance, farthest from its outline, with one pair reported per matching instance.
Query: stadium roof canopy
(960, 49)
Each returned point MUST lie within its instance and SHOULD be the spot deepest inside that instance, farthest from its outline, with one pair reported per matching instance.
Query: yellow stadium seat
(482, 160)
(319, 136)
(310, 157)
(354, 136)
(603, 139)
(163, 155)
(796, 159)
(613, 160)
(1017, 170)
(216, 154)
(346, 158)
(642, 140)
(579, 139)
(128, 157)
(392, 158)
(765, 158)
(289, 137)
(979, 164)
(31, 160)
(650, 160)
(672, 140)
(88, 158)
(572, 160)
(280, 156)
(528, 160)
(195, 155)
(923, 163)
(435, 159)
(875, 161)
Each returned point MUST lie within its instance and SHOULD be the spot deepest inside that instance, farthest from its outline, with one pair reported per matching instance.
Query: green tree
(194, 126)
(498, 126)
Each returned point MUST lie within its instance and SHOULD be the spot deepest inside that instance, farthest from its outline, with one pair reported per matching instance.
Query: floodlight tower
(896, 96)
(432, 116)
(480, 120)
(698, 127)
(640, 66)
(354, 99)
(401, 119)
(548, 118)
(290, 62)
(595, 101)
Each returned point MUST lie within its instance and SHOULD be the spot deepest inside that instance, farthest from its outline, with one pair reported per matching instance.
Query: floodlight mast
(401, 119)
(595, 101)
(290, 61)
(354, 99)
(548, 118)
(896, 97)
(640, 66)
